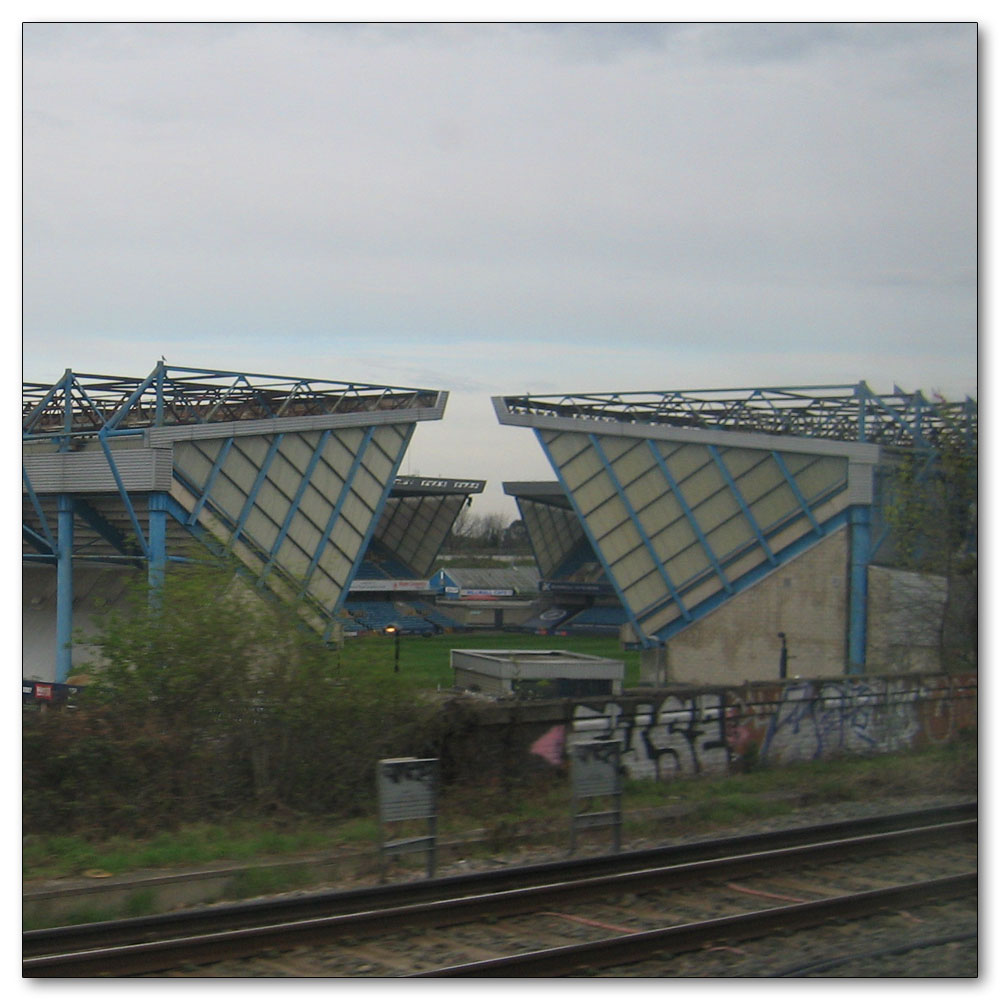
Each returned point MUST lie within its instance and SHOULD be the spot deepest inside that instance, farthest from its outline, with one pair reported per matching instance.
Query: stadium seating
(436, 617)
(370, 571)
(376, 615)
(597, 619)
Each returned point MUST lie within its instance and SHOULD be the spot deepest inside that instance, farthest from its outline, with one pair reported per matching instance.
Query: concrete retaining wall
(715, 730)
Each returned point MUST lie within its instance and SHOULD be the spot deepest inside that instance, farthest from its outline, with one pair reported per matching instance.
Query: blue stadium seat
(597, 619)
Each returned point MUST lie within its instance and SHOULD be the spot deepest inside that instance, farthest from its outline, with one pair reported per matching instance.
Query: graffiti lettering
(710, 732)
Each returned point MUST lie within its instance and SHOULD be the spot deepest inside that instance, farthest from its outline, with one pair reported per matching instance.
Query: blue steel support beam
(633, 621)
(67, 410)
(213, 474)
(345, 492)
(36, 541)
(692, 520)
(155, 376)
(160, 372)
(42, 519)
(85, 512)
(376, 516)
(646, 540)
(744, 507)
(39, 407)
(179, 513)
(64, 590)
(124, 494)
(752, 577)
(265, 468)
(531, 540)
(857, 622)
(296, 502)
(158, 508)
(794, 487)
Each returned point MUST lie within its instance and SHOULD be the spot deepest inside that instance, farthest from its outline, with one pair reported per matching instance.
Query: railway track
(649, 902)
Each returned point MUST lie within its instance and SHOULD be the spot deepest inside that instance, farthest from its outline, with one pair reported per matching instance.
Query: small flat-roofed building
(534, 673)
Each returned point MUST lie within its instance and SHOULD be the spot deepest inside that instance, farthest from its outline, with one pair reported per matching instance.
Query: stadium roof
(85, 405)
(852, 413)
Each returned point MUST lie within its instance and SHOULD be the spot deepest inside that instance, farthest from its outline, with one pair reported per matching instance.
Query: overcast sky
(503, 208)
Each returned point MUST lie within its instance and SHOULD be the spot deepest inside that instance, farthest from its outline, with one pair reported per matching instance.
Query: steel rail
(630, 948)
(231, 916)
(152, 956)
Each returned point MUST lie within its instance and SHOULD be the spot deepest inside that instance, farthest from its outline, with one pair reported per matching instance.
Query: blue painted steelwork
(779, 559)
(689, 514)
(213, 474)
(244, 538)
(42, 403)
(64, 590)
(82, 408)
(345, 492)
(46, 553)
(172, 395)
(928, 467)
(251, 500)
(857, 621)
(293, 508)
(155, 378)
(157, 540)
(123, 494)
(67, 412)
(637, 523)
(838, 412)
(918, 421)
(42, 519)
(376, 515)
(744, 507)
(752, 576)
(794, 486)
(107, 531)
(206, 539)
(899, 423)
(531, 542)
(633, 621)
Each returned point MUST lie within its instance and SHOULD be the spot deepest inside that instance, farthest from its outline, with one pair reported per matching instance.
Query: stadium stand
(374, 616)
(598, 618)
(436, 617)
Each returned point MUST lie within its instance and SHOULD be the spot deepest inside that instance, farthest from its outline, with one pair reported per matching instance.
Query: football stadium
(729, 534)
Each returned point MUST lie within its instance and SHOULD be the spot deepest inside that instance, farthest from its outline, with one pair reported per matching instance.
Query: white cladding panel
(304, 519)
(675, 523)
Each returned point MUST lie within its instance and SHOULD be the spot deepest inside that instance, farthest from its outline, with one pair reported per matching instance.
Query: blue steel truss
(838, 412)
(899, 423)
(83, 411)
(80, 405)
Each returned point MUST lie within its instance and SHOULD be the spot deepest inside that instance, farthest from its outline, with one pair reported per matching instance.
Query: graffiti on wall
(714, 731)
(672, 736)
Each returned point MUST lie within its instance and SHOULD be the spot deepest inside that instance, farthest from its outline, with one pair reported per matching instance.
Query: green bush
(208, 701)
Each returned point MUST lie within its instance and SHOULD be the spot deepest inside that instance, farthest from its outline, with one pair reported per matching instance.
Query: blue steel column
(857, 626)
(157, 542)
(64, 590)
(64, 554)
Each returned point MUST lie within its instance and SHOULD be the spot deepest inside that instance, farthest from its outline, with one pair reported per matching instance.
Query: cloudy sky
(503, 208)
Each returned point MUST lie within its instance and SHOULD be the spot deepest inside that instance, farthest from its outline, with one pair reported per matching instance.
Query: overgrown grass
(59, 856)
(538, 809)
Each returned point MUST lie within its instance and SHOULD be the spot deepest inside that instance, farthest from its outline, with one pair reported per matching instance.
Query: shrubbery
(209, 701)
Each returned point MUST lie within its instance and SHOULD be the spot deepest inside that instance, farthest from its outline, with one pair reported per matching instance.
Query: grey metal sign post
(407, 790)
(596, 773)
